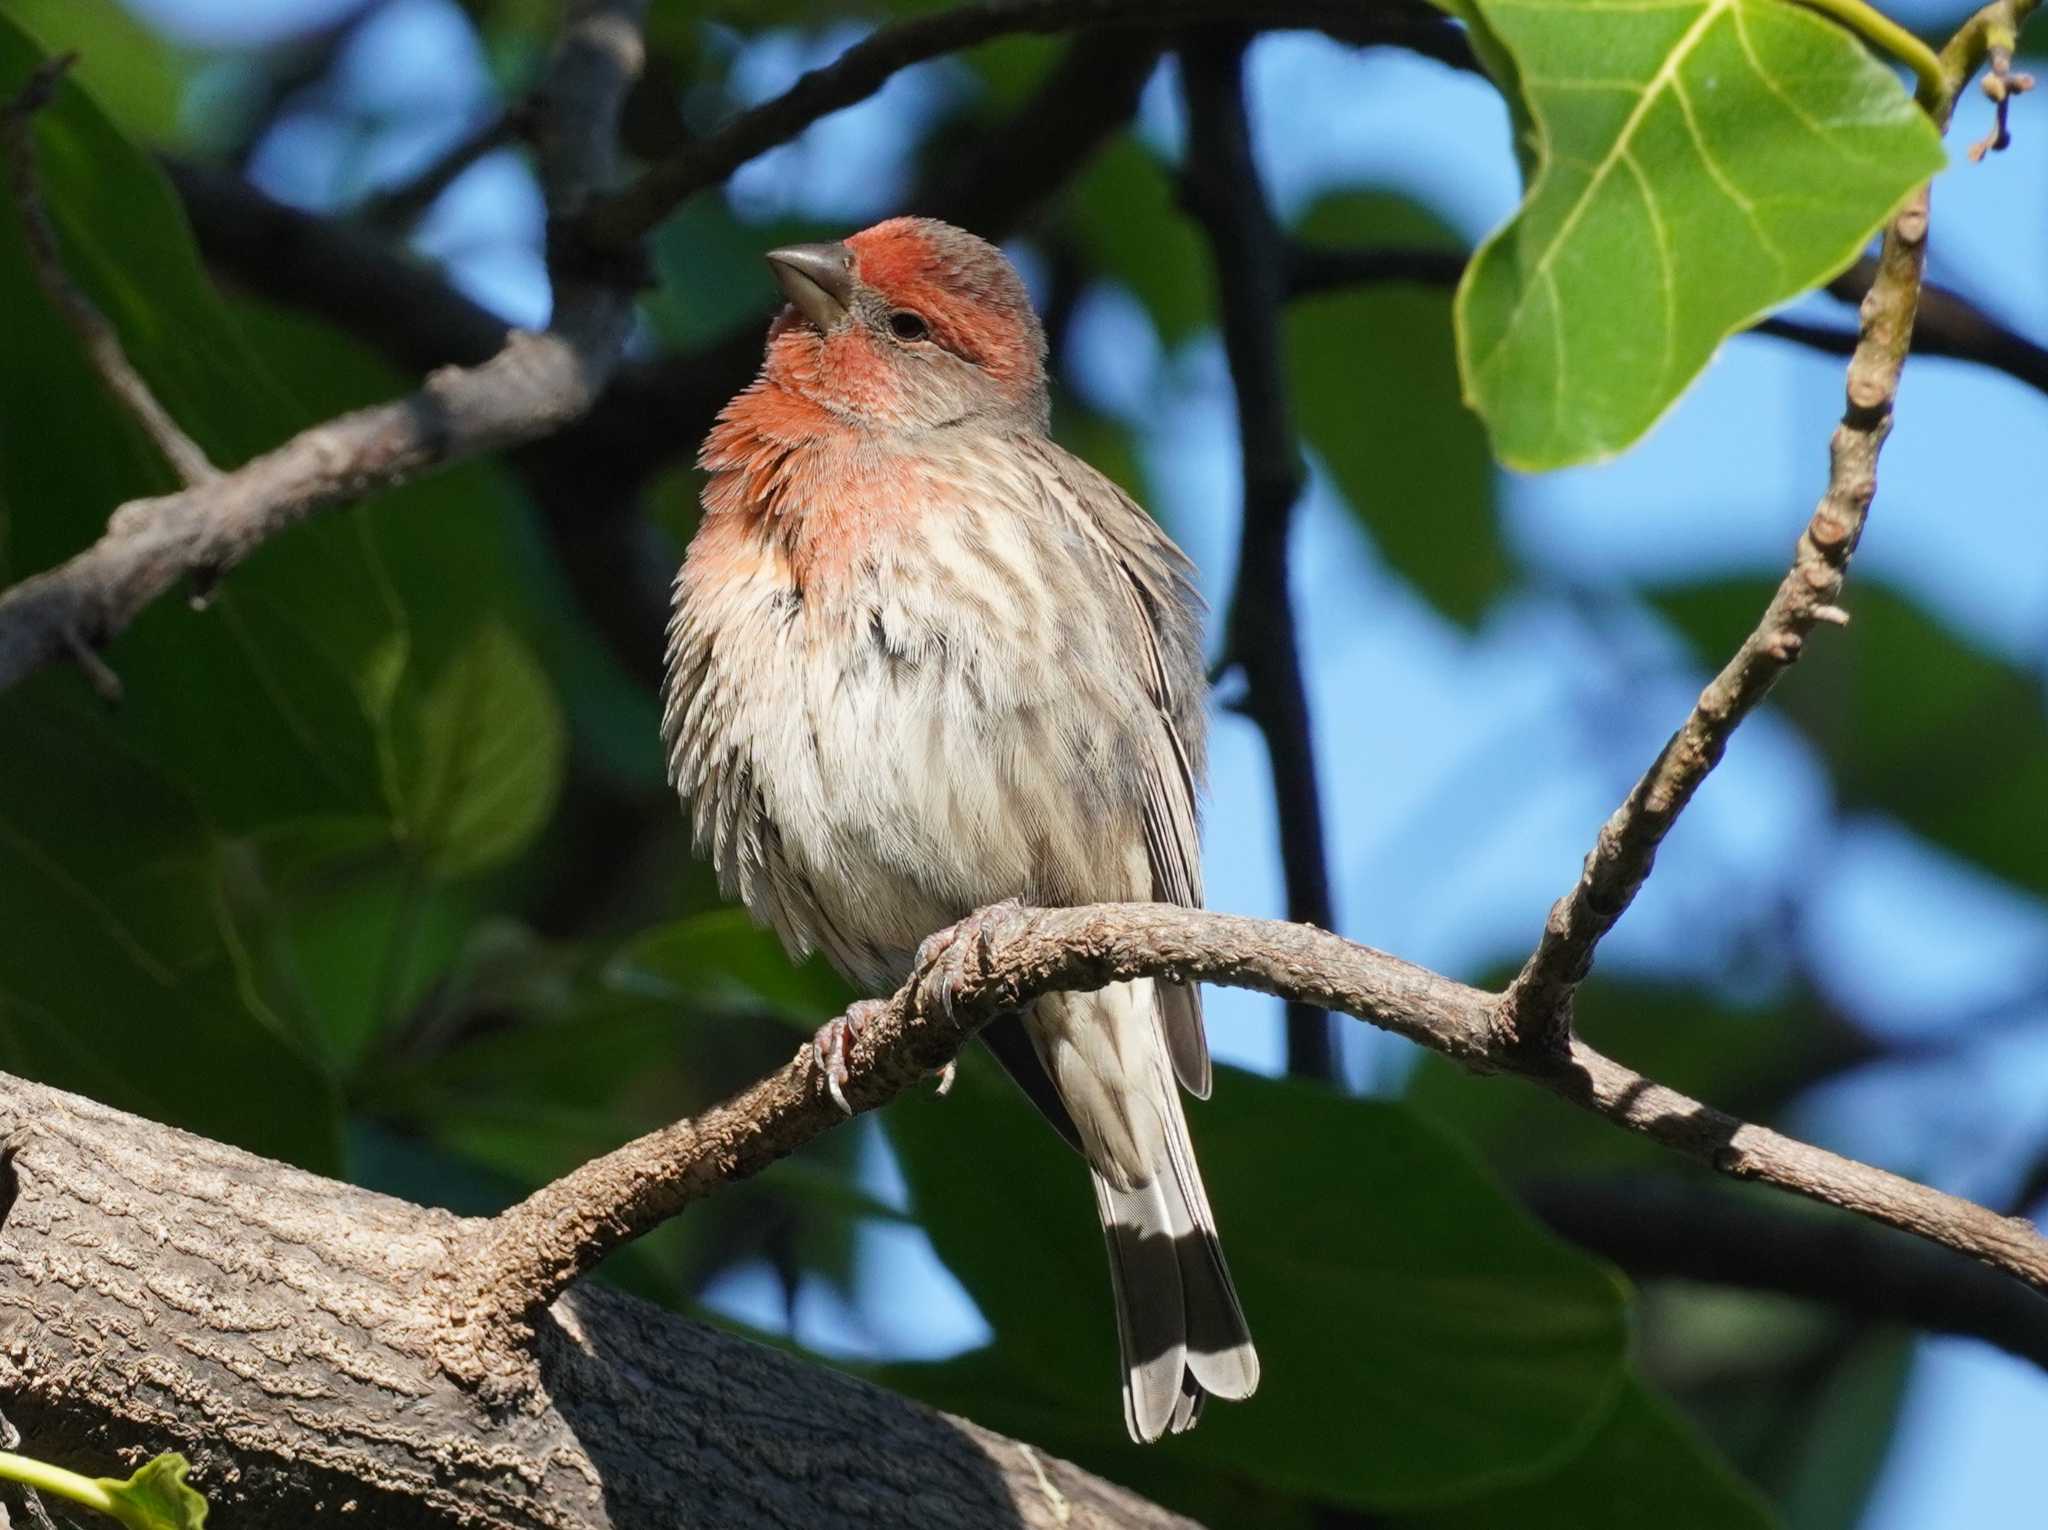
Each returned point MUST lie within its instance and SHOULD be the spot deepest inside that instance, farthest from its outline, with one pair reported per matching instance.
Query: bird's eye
(905, 325)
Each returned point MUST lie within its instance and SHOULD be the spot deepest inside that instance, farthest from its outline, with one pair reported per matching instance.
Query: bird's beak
(818, 278)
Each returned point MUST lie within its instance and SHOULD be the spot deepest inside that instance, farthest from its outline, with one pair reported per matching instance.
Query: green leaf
(157, 1497)
(721, 958)
(1698, 162)
(1914, 720)
(123, 974)
(1376, 391)
(490, 763)
(1386, 1278)
(1645, 1467)
(1126, 220)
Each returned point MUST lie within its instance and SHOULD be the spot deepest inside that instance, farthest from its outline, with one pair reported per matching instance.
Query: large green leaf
(1376, 391)
(1915, 720)
(1390, 1286)
(122, 967)
(1696, 163)
(1644, 1468)
(121, 971)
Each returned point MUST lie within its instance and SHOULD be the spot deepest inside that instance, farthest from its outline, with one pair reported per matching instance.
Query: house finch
(923, 660)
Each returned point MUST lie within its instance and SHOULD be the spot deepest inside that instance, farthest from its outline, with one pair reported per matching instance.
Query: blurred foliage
(1397, 437)
(1915, 720)
(374, 871)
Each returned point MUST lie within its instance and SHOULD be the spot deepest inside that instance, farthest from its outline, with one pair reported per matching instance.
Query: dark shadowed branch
(1660, 1228)
(1260, 640)
(863, 68)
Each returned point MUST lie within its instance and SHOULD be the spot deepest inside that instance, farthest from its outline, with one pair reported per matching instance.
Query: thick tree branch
(532, 387)
(528, 1255)
(158, 1291)
(101, 342)
(1657, 1228)
(1223, 190)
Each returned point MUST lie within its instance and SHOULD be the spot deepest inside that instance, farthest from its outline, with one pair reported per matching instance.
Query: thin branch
(1657, 1228)
(862, 70)
(1001, 960)
(1536, 1011)
(533, 386)
(1003, 177)
(102, 342)
(400, 206)
(1223, 190)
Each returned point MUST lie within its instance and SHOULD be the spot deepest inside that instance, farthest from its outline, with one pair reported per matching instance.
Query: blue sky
(1467, 772)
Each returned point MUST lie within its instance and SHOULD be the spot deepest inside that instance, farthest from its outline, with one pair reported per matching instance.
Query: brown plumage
(922, 660)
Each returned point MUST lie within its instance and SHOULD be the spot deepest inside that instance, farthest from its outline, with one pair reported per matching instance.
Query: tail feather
(1179, 1326)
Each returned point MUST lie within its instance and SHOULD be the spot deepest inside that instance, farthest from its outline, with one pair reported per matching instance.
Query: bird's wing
(1158, 581)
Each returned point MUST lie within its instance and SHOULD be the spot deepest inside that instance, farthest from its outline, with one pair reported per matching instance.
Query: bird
(923, 660)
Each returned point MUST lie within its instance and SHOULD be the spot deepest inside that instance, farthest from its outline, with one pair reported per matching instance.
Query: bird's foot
(833, 1039)
(949, 960)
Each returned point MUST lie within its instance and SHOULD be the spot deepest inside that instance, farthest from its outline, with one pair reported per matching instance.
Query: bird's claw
(833, 1039)
(951, 958)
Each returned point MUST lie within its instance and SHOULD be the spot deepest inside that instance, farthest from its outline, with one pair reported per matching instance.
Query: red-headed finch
(923, 660)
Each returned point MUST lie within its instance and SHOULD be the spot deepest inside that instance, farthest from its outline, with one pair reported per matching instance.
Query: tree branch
(101, 342)
(1657, 1228)
(1223, 190)
(160, 1291)
(1536, 1010)
(532, 387)
(863, 68)
(525, 1257)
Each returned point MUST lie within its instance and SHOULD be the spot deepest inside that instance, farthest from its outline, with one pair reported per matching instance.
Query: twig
(1657, 1228)
(1250, 257)
(1535, 1013)
(1988, 37)
(101, 341)
(863, 68)
(528, 1254)
(1001, 179)
(400, 206)
(1536, 1010)
(533, 386)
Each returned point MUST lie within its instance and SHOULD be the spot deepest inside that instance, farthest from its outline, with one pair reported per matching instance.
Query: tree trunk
(159, 1291)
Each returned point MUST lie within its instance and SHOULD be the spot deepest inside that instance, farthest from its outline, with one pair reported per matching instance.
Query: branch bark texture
(158, 1291)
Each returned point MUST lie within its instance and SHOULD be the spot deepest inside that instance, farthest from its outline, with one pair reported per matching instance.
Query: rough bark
(159, 1291)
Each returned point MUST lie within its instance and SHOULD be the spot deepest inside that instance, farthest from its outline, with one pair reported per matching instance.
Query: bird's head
(909, 325)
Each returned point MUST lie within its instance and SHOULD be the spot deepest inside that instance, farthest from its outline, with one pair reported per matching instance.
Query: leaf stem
(1886, 35)
(45, 1478)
